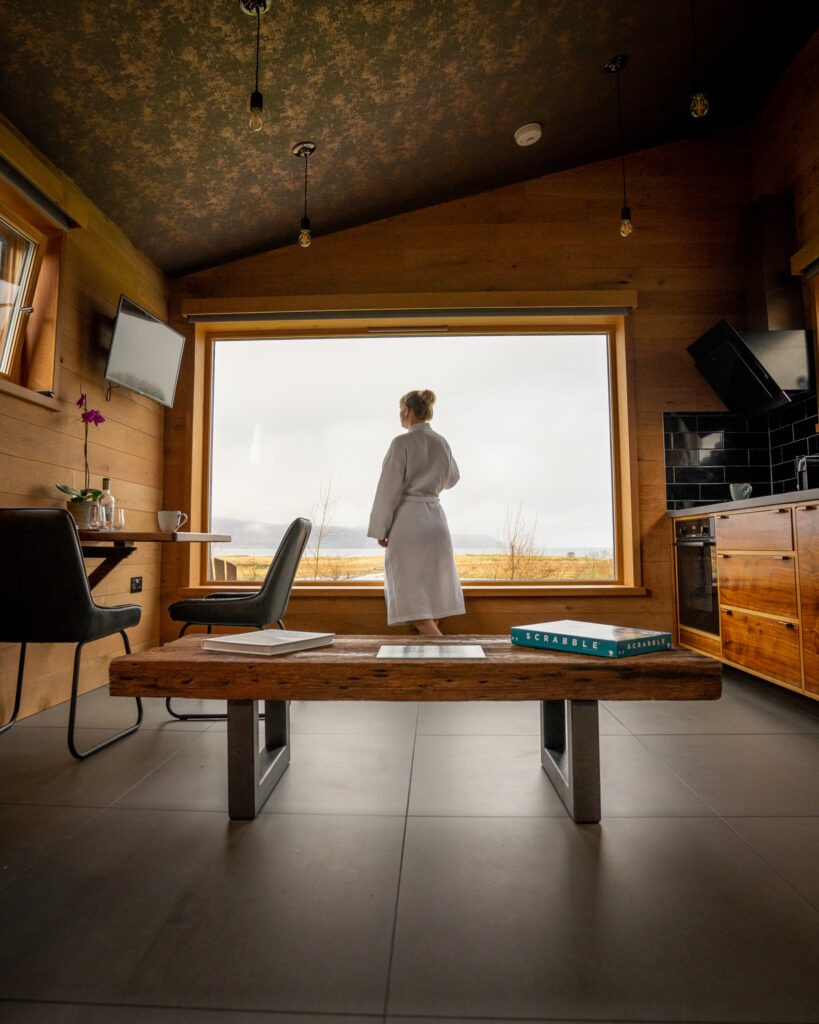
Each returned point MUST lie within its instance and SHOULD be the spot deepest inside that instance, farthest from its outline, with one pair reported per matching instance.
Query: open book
(266, 641)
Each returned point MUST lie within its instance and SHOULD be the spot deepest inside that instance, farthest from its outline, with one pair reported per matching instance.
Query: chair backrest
(44, 592)
(275, 591)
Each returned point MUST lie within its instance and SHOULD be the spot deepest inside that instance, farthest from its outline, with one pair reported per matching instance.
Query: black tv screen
(145, 353)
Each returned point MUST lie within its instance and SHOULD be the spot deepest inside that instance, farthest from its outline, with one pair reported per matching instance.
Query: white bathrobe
(420, 578)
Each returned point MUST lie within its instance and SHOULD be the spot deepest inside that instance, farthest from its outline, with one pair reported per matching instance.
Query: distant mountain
(254, 534)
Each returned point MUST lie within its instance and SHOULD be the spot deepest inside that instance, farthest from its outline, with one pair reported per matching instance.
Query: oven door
(697, 591)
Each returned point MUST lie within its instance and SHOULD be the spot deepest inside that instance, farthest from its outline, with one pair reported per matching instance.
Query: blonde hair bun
(420, 403)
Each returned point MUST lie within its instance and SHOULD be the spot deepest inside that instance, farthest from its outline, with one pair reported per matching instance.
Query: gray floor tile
(76, 1013)
(286, 913)
(739, 710)
(354, 717)
(335, 774)
(493, 718)
(481, 775)
(97, 709)
(651, 919)
(634, 783)
(36, 767)
(746, 775)
(789, 845)
(28, 833)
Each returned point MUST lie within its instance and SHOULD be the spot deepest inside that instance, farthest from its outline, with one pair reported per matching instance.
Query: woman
(421, 583)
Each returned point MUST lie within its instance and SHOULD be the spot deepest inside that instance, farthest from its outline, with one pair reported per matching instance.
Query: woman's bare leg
(427, 627)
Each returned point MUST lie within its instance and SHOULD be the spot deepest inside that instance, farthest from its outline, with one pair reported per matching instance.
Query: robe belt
(420, 497)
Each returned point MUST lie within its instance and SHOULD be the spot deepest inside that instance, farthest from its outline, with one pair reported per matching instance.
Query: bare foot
(426, 627)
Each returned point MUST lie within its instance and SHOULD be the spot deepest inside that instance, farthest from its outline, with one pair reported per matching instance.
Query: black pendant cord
(258, 31)
(694, 45)
(622, 144)
(305, 185)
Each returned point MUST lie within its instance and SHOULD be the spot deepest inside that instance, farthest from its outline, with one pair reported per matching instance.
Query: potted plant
(81, 502)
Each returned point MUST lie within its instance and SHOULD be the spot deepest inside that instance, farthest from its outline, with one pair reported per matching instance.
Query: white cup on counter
(740, 491)
(170, 522)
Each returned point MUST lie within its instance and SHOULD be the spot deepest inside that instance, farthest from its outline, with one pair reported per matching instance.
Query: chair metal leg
(199, 716)
(72, 713)
(18, 693)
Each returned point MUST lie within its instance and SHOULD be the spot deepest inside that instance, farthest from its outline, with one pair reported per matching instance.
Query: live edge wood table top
(349, 670)
(568, 687)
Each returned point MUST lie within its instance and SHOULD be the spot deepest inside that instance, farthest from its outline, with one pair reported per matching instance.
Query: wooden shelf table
(568, 687)
(112, 546)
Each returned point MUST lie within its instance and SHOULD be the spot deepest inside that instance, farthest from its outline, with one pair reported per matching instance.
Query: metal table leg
(254, 771)
(570, 755)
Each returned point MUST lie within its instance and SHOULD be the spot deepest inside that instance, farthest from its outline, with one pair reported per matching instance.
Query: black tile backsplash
(705, 452)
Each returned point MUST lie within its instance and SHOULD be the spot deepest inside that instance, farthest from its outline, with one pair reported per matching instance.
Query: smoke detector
(528, 134)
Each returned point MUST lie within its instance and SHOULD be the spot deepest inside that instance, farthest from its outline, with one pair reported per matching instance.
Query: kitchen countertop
(789, 498)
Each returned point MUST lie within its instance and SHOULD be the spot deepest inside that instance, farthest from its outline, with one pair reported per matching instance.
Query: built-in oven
(697, 591)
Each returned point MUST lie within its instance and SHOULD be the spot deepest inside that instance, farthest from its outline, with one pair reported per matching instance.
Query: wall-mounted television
(145, 353)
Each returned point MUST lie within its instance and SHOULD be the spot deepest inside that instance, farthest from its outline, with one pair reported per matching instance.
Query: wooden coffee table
(567, 685)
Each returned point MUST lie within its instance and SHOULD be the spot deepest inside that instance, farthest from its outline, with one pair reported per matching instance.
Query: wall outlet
(136, 584)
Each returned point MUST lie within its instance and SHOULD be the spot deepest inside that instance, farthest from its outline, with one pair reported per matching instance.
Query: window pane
(301, 426)
(16, 253)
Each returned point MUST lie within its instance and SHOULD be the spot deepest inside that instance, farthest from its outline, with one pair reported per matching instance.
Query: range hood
(771, 363)
(754, 371)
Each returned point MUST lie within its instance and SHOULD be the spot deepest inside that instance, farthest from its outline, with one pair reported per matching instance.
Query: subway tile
(682, 492)
(782, 435)
(681, 457)
(699, 475)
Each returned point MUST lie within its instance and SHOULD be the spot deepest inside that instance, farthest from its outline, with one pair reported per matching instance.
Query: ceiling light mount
(304, 150)
(528, 134)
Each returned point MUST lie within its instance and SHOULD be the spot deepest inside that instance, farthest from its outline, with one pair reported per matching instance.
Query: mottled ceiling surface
(410, 102)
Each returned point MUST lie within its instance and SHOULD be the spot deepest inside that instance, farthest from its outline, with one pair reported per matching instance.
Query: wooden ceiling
(410, 102)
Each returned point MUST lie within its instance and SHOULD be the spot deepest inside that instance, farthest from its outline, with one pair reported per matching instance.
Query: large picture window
(300, 425)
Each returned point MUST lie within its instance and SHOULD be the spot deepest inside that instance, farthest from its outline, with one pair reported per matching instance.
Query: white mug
(170, 522)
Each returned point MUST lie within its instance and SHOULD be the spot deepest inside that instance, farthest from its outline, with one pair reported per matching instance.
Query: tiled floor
(414, 862)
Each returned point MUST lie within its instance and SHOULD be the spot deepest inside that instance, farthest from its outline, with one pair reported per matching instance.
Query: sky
(526, 416)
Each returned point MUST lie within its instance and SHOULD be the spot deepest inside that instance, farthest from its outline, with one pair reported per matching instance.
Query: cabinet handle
(806, 508)
(780, 511)
(722, 517)
(727, 611)
(788, 625)
(782, 558)
(723, 556)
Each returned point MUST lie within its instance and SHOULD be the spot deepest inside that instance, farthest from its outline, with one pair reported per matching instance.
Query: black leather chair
(45, 599)
(258, 609)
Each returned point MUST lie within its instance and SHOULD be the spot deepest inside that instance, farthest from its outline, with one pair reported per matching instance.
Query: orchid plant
(88, 493)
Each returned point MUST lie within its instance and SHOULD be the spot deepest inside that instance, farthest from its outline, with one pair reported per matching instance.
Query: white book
(267, 641)
(449, 652)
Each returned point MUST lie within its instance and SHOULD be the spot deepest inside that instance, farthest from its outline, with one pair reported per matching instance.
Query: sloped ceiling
(410, 102)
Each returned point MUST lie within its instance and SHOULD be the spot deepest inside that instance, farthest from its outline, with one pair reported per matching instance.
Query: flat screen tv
(145, 353)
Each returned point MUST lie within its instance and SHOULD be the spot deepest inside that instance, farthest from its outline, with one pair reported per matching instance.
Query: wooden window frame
(210, 328)
(33, 367)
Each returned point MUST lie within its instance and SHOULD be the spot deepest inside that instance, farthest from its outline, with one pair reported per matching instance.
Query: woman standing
(421, 583)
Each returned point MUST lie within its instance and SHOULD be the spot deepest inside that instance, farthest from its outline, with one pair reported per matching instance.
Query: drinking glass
(96, 517)
(119, 519)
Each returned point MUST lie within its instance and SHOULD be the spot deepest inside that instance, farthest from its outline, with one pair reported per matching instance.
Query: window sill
(375, 590)
(26, 395)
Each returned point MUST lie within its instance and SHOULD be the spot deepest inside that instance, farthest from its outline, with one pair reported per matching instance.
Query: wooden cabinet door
(767, 647)
(807, 541)
(762, 583)
(768, 529)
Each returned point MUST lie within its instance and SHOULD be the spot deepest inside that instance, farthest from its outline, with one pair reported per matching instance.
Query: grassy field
(470, 567)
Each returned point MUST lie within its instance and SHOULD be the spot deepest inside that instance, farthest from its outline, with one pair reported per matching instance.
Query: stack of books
(590, 638)
(267, 642)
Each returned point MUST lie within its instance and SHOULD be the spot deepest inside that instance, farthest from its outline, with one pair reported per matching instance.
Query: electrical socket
(136, 584)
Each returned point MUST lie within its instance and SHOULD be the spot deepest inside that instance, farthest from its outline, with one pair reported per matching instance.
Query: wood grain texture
(349, 670)
(700, 642)
(40, 447)
(762, 583)
(807, 539)
(767, 529)
(767, 647)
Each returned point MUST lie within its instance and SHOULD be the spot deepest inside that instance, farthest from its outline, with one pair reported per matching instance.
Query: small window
(17, 263)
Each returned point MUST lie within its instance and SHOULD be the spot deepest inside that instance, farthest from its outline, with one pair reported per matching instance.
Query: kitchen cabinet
(806, 518)
(767, 569)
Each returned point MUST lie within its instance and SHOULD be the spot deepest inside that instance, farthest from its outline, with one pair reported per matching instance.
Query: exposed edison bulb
(256, 108)
(699, 105)
(626, 227)
(305, 237)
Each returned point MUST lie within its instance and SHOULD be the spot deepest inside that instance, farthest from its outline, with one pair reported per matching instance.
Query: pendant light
(304, 150)
(256, 8)
(699, 102)
(614, 67)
